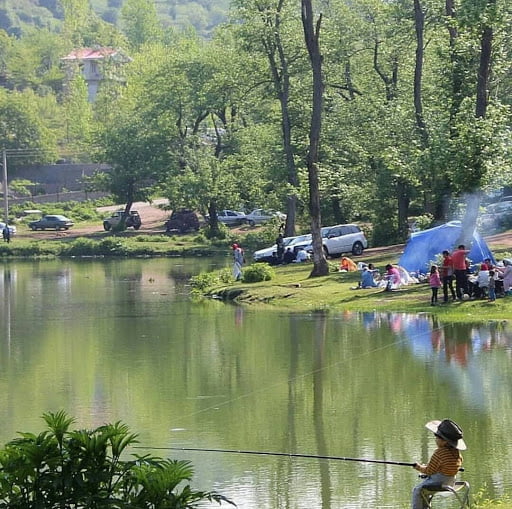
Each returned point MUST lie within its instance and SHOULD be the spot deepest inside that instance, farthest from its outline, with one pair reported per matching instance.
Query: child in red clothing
(435, 283)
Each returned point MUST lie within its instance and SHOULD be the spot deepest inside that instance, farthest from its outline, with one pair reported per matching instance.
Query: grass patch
(293, 289)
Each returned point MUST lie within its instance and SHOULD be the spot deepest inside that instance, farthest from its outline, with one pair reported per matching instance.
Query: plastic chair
(460, 491)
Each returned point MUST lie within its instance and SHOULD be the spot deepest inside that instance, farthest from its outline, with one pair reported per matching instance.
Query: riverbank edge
(293, 290)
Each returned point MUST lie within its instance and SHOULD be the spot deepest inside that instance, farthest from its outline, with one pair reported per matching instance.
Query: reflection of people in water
(457, 349)
(239, 315)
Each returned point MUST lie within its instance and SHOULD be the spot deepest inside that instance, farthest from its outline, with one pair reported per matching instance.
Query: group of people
(289, 255)
(490, 280)
(371, 277)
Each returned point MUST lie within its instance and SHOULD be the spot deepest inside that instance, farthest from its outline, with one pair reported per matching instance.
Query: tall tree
(311, 36)
(140, 22)
(269, 29)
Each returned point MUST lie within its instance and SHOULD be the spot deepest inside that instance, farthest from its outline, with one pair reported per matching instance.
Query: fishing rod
(293, 455)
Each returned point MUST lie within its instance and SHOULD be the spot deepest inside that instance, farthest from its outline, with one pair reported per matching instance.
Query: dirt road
(153, 218)
(152, 215)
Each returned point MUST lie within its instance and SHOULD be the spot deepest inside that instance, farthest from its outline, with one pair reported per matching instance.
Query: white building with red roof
(95, 65)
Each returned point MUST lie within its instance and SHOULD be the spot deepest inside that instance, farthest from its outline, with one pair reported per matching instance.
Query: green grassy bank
(294, 290)
(124, 244)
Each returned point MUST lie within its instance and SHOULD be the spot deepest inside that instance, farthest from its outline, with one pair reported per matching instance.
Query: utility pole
(6, 199)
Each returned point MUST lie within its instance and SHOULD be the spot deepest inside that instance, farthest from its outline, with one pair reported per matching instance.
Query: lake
(110, 340)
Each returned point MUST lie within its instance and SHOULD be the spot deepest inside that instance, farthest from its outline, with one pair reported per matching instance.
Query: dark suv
(182, 220)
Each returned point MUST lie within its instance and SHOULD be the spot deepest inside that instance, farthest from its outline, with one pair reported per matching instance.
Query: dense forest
(18, 16)
(386, 109)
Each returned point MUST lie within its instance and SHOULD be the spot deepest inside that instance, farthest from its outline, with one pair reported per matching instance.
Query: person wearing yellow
(444, 463)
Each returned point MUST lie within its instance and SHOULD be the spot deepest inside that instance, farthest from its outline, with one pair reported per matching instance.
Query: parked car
(12, 228)
(265, 255)
(502, 206)
(182, 220)
(51, 222)
(132, 220)
(260, 216)
(230, 217)
(339, 239)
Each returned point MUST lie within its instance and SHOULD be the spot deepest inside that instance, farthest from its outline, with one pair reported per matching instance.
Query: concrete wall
(54, 178)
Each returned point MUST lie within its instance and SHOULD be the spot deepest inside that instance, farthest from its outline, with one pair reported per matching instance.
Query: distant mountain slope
(203, 15)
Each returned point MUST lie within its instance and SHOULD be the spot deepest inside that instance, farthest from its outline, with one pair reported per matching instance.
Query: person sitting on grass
(392, 278)
(367, 278)
(289, 256)
(302, 255)
(347, 265)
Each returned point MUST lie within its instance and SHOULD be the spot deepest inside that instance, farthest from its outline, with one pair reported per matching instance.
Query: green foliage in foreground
(83, 468)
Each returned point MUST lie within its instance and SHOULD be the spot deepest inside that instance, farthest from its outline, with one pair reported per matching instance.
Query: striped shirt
(446, 460)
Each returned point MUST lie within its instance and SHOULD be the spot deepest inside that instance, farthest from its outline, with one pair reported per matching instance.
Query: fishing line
(299, 377)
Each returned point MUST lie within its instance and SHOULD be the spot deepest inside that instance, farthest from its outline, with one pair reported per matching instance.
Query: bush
(83, 468)
(80, 247)
(202, 282)
(258, 272)
(112, 247)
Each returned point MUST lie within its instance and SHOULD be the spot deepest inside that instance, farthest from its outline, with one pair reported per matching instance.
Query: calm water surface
(122, 340)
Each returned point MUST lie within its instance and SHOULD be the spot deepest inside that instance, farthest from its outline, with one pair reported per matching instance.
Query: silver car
(260, 216)
(265, 255)
(51, 222)
(339, 239)
(231, 217)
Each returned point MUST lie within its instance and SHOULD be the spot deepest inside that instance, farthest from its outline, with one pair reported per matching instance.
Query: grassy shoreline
(294, 290)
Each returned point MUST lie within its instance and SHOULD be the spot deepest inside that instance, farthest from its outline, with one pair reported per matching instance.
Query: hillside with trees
(389, 109)
(18, 16)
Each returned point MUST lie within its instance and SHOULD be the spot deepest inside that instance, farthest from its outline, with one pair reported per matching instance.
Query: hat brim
(434, 427)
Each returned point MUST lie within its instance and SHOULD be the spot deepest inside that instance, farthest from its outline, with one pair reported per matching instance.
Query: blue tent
(424, 246)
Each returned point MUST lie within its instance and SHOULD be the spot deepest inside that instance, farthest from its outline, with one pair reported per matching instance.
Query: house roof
(94, 54)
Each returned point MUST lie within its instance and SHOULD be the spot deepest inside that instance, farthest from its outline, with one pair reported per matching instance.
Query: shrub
(111, 247)
(258, 272)
(221, 233)
(204, 281)
(83, 468)
(80, 247)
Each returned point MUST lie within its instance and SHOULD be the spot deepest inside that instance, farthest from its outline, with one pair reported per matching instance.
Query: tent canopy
(424, 246)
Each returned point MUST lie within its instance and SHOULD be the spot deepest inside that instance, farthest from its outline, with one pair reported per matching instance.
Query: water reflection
(109, 340)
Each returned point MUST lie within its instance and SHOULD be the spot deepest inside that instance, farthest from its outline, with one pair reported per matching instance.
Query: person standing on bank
(447, 276)
(6, 234)
(444, 463)
(280, 247)
(435, 283)
(238, 261)
(460, 270)
(492, 286)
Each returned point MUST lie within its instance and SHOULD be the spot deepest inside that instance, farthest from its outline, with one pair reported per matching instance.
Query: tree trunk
(484, 70)
(403, 207)
(214, 219)
(311, 34)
